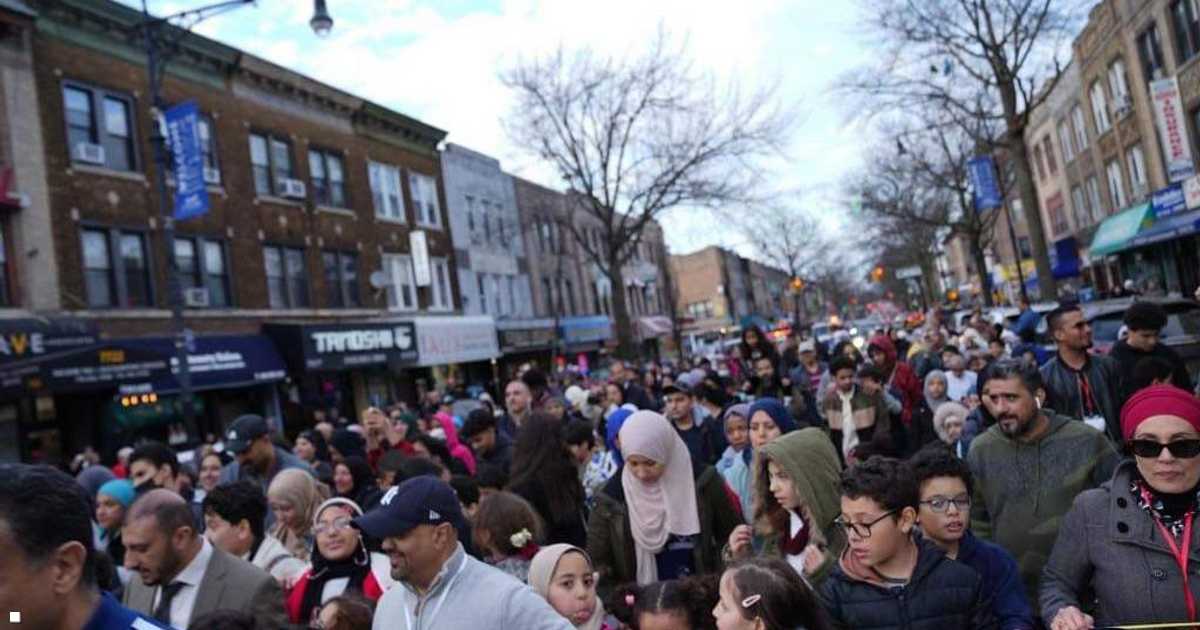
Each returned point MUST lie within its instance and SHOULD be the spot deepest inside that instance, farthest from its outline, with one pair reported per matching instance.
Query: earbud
(1038, 401)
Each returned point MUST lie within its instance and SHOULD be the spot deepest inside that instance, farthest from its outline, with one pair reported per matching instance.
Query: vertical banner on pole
(983, 179)
(183, 134)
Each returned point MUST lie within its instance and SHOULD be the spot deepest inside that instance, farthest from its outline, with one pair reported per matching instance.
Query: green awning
(1117, 231)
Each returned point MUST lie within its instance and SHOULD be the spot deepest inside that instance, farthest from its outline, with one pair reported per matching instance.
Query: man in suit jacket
(181, 575)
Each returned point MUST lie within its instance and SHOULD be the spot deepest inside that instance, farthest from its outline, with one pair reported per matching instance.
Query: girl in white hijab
(563, 575)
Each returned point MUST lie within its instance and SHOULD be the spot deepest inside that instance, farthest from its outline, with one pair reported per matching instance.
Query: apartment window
(1149, 46)
(1137, 170)
(569, 291)
(1116, 184)
(122, 279)
(328, 179)
(700, 310)
(1025, 247)
(1184, 21)
(1093, 190)
(1077, 122)
(425, 199)
(1099, 107)
(1051, 163)
(341, 279)
(402, 290)
(98, 269)
(99, 127)
(1039, 162)
(287, 277)
(201, 263)
(483, 303)
(1064, 139)
(385, 191)
(1079, 207)
(485, 219)
(548, 292)
(1117, 85)
(440, 297)
(271, 161)
(512, 294)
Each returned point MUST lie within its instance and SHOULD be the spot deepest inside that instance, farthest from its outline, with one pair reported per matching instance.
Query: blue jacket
(111, 615)
(1027, 321)
(1001, 580)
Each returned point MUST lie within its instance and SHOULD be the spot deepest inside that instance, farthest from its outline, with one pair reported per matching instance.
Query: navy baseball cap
(423, 500)
(243, 431)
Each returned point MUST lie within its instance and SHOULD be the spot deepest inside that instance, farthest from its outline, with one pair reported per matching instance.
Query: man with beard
(1079, 385)
(1029, 466)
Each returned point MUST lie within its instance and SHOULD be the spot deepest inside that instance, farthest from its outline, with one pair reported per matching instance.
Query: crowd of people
(926, 478)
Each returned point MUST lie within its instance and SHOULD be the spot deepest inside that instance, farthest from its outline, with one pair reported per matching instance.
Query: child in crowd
(683, 603)
(734, 464)
(563, 574)
(506, 532)
(468, 495)
(888, 577)
(944, 483)
(595, 468)
(766, 593)
(859, 423)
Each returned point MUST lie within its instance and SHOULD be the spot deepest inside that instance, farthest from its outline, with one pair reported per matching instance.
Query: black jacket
(1127, 358)
(1104, 379)
(943, 594)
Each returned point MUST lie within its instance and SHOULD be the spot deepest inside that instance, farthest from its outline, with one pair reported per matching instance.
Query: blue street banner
(983, 179)
(183, 134)
(1168, 201)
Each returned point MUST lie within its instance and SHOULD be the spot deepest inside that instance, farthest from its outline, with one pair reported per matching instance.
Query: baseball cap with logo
(423, 500)
(243, 431)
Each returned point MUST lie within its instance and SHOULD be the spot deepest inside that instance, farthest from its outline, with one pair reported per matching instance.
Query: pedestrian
(664, 516)
(811, 368)
(354, 480)
(345, 612)
(209, 476)
(704, 437)
(346, 443)
(258, 459)
(949, 422)
(1029, 466)
(491, 445)
(769, 419)
(888, 577)
(154, 465)
(341, 563)
(518, 402)
(294, 496)
(686, 602)
(457, 449)
(796, 504)
(859, 423)
(944, 483)
(507, 532)
(1142, 517)
(48, 572)
(112, 501)
(436, 450)
(766, 593)
(612, 433)
(439, 585)
(898, 377)
(383, 435)
(594, 465)
(544, 474)
(311, 447)
(564, 575)
(1145, 322)
(1078, 384)
(734, 464)
(234, 521)
(960, 382)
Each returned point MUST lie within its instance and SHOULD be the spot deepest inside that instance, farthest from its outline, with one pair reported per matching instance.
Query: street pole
(1012, 235)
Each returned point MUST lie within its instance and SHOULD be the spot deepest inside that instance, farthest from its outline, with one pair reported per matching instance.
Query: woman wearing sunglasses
(1133, 543)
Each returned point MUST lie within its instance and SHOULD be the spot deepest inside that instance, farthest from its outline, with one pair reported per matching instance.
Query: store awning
(1066, 258)
(654, 326)
(1117, 232)
(1172, 227)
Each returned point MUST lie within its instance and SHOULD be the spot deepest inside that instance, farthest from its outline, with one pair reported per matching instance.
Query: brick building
(718, 291)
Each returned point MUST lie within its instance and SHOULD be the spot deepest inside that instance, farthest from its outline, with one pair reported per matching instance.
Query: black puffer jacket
(942, 595)
(1104, 378)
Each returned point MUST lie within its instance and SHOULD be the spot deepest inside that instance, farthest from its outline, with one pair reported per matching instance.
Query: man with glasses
(888, 577)
(1029, 466)
(944, 483)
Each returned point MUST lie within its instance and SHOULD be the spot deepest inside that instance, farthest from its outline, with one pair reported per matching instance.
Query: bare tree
(785, 238)
(636, 137)
(945, 53)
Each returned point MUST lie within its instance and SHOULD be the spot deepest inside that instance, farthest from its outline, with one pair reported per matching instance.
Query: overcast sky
(438, 61)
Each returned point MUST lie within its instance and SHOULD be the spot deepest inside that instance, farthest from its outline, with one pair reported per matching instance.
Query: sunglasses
(1180, 449)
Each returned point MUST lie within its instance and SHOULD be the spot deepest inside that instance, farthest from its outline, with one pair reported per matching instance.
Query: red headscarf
(1159, 400)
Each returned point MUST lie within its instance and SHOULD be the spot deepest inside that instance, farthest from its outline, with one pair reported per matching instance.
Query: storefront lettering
(20, 344)
(362, 340)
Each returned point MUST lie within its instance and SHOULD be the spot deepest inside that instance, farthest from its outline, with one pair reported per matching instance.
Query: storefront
(1155, 244)
(459, 353)
(525, 341)
(584, 338)
(652, 332)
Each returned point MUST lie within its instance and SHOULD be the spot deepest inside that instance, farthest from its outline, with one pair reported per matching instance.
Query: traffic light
(877, 273)
(797, 284)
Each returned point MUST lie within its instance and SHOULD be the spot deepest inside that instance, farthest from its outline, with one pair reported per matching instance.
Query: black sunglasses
(1180, 449)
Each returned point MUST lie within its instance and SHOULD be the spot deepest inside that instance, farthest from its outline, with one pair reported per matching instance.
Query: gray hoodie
(467, 594)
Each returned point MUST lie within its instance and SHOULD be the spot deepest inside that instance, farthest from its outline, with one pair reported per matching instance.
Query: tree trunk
(985, 279)
(1033, 217)
(623, 324)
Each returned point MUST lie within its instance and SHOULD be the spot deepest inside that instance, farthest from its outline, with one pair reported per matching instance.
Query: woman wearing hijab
(949, 422)
(112, 500)
(920, 431)
(457, 449)
(293, 497)
(936, 385)
(663, 516)
(734, 464)
(353, 479)
(612, 428)
(564, 576)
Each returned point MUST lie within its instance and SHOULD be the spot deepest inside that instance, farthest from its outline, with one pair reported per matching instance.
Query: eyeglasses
(1181, 449)
(862, 530)
(338, 525)
(940, 504)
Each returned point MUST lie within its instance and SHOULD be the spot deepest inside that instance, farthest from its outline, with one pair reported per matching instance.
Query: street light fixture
(321, 23)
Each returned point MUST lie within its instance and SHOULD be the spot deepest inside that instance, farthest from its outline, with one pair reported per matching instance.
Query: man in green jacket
(1029, 466)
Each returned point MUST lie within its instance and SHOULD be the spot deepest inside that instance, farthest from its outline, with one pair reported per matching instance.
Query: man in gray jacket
(439, 585)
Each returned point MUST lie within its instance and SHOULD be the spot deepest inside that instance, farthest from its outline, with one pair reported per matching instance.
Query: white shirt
(797, 560)
(191, 575)
(957, 387)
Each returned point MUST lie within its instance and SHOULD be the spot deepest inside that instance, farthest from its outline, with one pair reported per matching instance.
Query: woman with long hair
(544, 474)
(293, 496)
(767, 594)
(311, 447)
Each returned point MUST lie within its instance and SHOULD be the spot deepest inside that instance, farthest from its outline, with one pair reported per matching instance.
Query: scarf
(795, 544)
(934, 403)
(666, 506)
(356, 567)
(1168, 509)
(849, 429)
(612, 430)
(779, 414)
(297, 488)
(541, 575)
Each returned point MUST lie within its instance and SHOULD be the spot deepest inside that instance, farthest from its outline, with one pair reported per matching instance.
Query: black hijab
(356, 567)
(365, 492)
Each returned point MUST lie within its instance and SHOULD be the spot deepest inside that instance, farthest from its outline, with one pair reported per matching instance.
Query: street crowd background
(930, 478)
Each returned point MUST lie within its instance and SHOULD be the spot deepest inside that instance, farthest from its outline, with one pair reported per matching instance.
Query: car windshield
(1182, 320)
(1105, 328)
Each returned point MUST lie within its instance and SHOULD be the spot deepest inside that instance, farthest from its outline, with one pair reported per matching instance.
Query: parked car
(1182, 331)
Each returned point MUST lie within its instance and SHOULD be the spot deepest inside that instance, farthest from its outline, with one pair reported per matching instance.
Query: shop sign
(450, 340)
(527, 338)
(1168, 113)
(586, 329)
(1168, 201)
(336, 347)
(32, 338)
(1191, 192)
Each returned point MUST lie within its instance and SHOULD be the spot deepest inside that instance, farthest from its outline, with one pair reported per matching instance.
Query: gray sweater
(467, 594)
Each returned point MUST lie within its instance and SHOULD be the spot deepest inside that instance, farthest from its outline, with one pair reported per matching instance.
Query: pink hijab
(460, 452)
(666, 506)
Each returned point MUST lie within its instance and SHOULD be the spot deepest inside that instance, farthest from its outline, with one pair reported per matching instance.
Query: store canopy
(654, 326)
(1172, 227)
(1117, 231)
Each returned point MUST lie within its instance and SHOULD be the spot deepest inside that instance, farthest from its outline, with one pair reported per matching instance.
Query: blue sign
(1168, 201)
(983, 179)
(183, 134)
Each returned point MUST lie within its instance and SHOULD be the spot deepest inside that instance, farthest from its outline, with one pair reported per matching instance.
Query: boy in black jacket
(887, 577)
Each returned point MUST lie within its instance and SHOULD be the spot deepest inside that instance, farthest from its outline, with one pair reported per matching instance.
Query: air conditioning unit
(292, 189)
(1140, 191)
(90, 153)
(195, 297)
(1122, 106)
(212, 175)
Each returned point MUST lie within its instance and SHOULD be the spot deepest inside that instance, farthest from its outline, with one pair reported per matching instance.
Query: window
(385, 191)
(548, 292)
(99, 118)
(1051, 163)
(425, 199)
(120, 280)
(569, 292)
(98, 269)
(1184, 22)
(483, 303)
(1081, 141)
(1039, 162)
(1093, 189)
(402, 290)
(1150, 50)
(440, 297)
(1080, 207)
(271, 161)
(471, 218)
(341, 279)
(135, 269)
(1025, 247)
(1116, 184)
(1099, 107)
(287, 277)
(512, 294)
(1118, 87)
(1064, 139)
(1137, 170)
(328, 181)
(200, 263)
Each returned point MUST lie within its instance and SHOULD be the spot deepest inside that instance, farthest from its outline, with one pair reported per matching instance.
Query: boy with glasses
(944, 486)
(888, 577)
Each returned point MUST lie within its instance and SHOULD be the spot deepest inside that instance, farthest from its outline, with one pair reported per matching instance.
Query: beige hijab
(541, 575)
(662, 508)
(297, 488)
